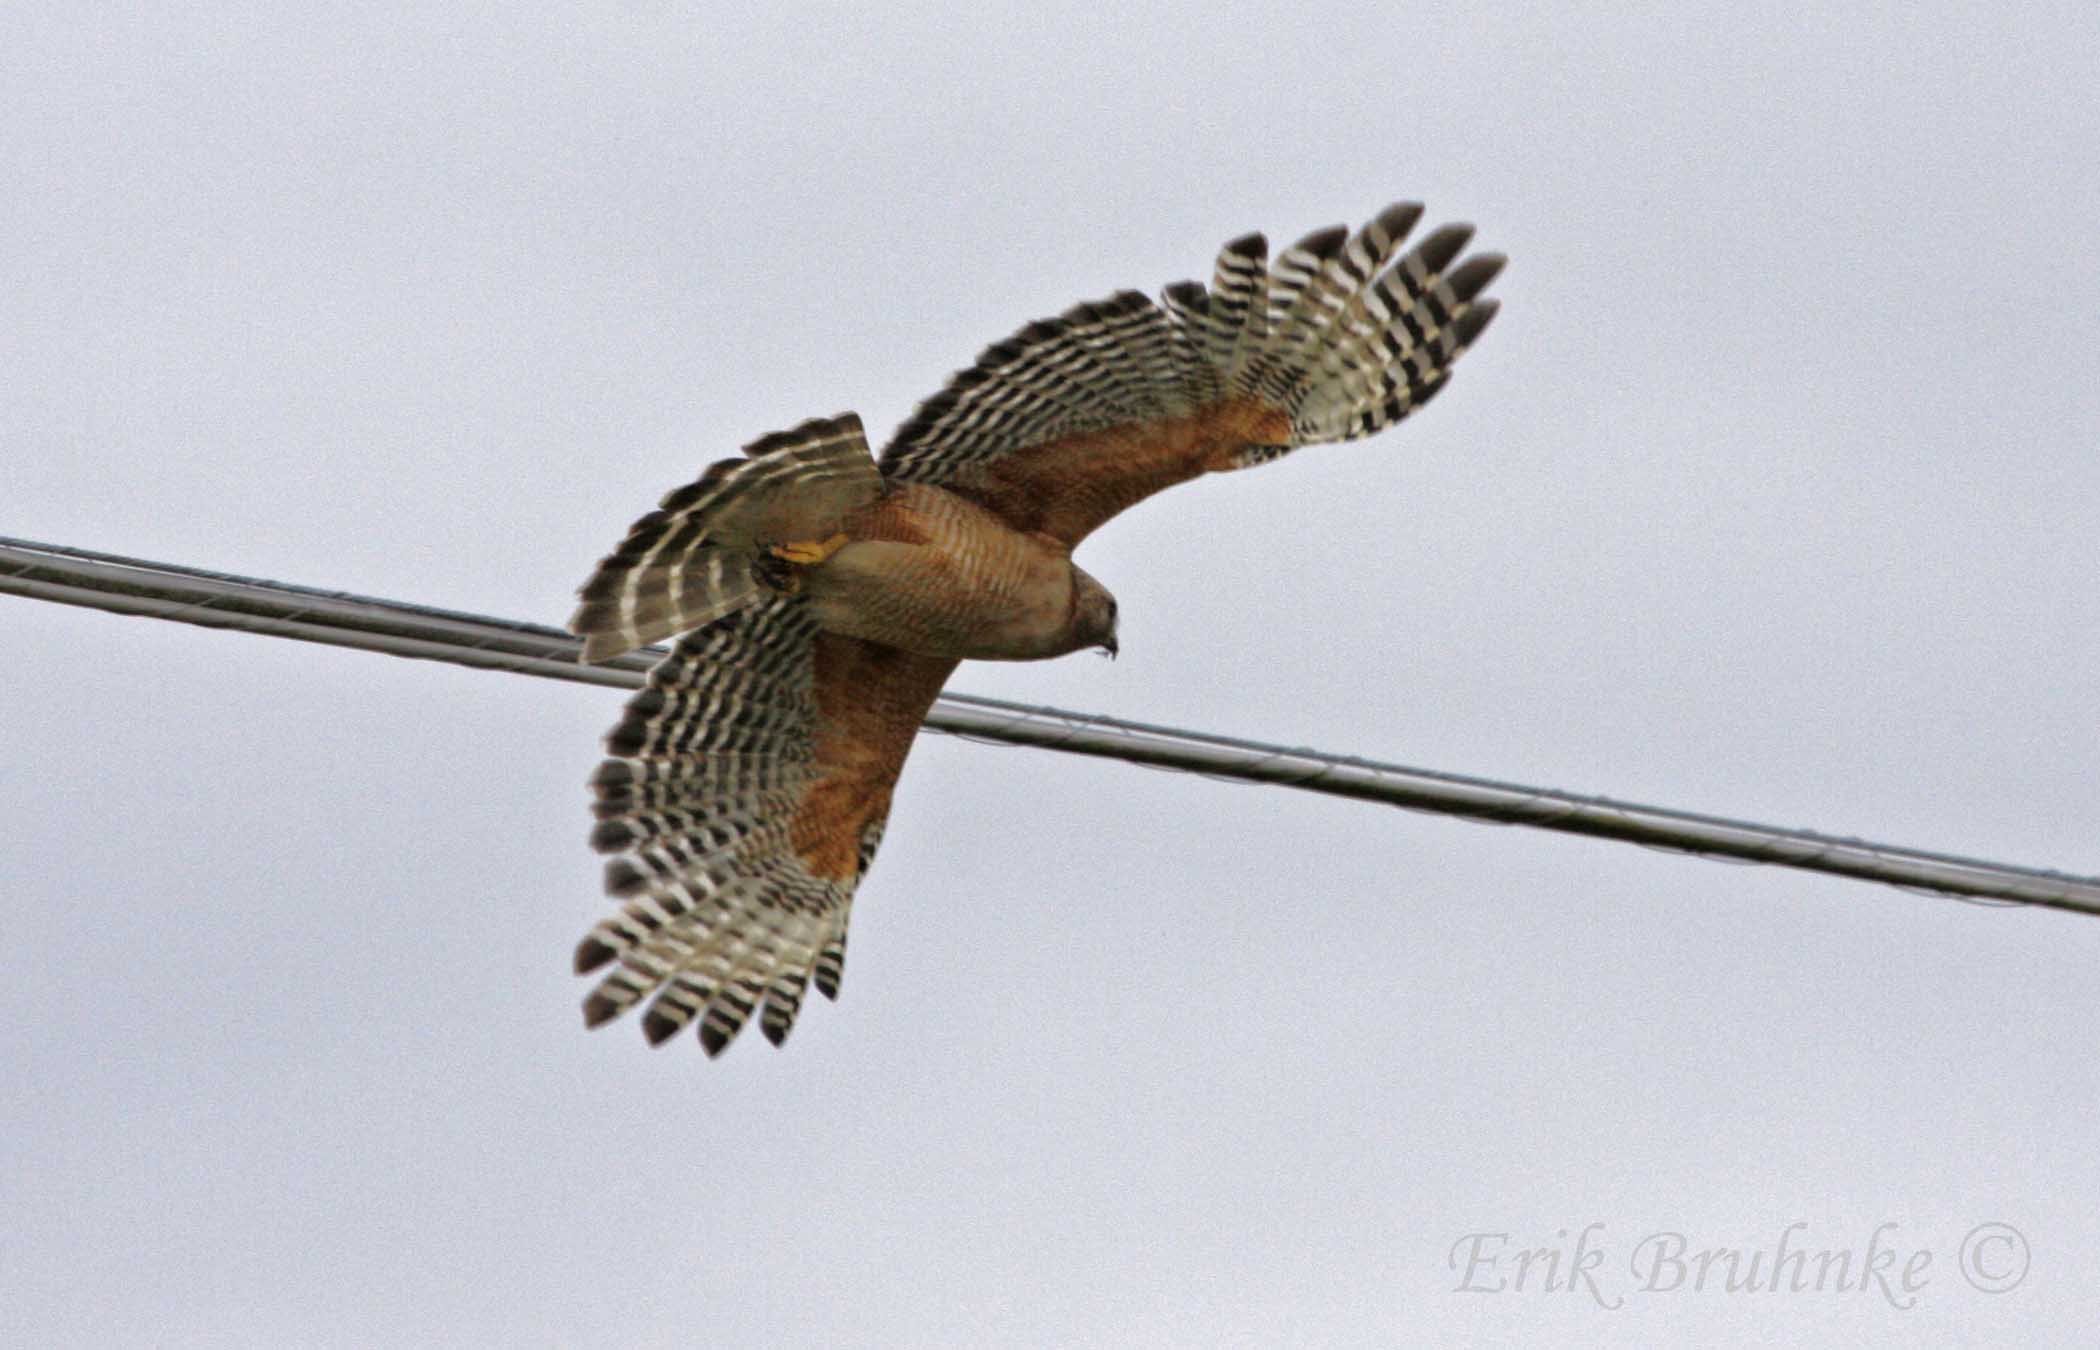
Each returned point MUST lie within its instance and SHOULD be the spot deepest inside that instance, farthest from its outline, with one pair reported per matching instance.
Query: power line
(220, 600)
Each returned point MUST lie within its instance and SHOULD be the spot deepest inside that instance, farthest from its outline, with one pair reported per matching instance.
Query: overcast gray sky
(1772, 493)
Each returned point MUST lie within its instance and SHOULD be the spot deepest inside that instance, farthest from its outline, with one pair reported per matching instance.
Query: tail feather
(681, 587)
(690, 562)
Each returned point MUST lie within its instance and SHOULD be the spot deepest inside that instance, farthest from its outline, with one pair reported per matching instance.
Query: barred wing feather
(743, 798)
(1077, 418)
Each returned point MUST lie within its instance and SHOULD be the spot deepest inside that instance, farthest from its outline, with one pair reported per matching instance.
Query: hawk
(825, 595)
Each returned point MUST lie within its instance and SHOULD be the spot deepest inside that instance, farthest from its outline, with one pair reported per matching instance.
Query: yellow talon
(809, 552)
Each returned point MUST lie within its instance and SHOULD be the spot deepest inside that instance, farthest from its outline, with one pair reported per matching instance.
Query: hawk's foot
(775, 574)
(808, 552)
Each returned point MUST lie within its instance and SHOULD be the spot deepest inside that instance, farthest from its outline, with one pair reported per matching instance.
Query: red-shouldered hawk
(825, 597)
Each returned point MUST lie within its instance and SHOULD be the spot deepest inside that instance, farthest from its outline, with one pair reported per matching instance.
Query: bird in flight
(825, 595)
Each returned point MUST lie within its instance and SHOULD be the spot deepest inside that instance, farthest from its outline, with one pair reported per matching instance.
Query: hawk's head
(1093, 619)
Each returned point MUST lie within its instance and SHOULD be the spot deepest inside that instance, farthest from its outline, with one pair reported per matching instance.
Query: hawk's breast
(934, 573)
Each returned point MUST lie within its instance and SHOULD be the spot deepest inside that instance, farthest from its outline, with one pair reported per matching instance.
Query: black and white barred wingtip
(1443, 244)
(1473, 275)
(719, 922)
(719, 1012)
(1377, 334)
(1393, 224)
(1323, 243)
(657, 1027)
(1470, 324)
(600, 1008)
(591, 953)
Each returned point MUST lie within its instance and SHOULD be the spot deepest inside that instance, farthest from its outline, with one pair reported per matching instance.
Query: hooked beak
(1108, 648)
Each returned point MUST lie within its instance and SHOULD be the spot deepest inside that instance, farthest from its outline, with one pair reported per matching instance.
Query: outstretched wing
(743, 799)
(1076, 418)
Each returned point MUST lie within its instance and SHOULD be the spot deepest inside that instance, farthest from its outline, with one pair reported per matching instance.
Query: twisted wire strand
(124, 585)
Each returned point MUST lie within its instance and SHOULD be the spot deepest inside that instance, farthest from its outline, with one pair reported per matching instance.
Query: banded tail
(694, 559)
